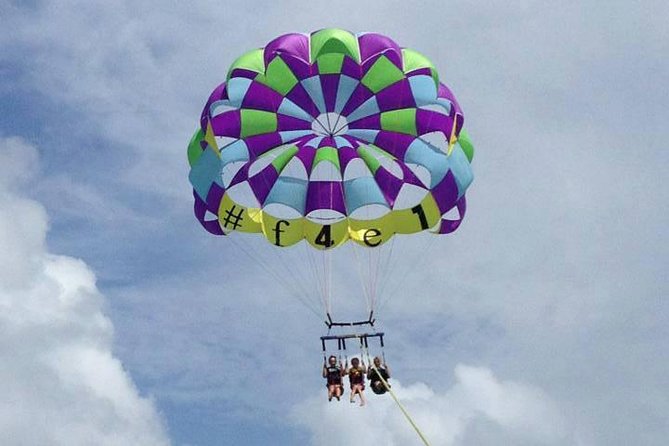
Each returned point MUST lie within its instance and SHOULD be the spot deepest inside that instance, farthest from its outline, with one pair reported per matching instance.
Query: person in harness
(356, 376)
(374, 375)
(333, 374)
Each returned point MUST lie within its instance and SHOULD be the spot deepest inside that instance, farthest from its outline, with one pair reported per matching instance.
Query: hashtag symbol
(232, 218)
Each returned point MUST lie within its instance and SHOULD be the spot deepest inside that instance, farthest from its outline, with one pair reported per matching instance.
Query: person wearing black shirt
(374, 376)
(333, 374)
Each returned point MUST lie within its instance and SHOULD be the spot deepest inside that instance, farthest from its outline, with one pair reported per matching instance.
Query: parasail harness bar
(363, 338)
(369, 321)
(341, 340)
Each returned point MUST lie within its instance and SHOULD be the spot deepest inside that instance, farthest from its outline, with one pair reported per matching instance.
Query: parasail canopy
(329, 137)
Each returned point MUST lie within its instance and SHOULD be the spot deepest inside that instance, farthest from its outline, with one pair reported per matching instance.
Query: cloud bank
(478, 406)
(60, 381)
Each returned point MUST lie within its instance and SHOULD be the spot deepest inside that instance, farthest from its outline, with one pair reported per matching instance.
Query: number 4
(324, 238)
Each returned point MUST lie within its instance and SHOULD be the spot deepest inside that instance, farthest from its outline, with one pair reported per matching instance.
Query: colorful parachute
(331, 137)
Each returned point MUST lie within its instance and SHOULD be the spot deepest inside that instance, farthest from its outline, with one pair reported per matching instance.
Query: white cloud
(59, 380)
(515, 410)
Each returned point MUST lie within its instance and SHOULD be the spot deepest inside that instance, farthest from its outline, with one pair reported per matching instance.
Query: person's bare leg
(330, 393)
(362, 397)
(357, 389)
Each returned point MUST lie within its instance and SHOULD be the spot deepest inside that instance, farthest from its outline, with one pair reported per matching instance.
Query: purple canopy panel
(241, 175)
(372, 44)
(448, 226)
(351, 68)
(346, 155)
(446, 193)
(411, 178)
(294, 44)
(420, 72)
(227, 124)
(428, 121)
(214, 197)
(302, 99)
(329, 83)
(262, 182)
(445, 93)
(369, 122)
(394, 143)
(358, 97)
(286, 123)
(298, 67)
(261, 97)
(306, 155)
(396, 96)
(219, 93)
(389, 184)
(259, 144)
(325, 195)
(200, 210)
(241, 72)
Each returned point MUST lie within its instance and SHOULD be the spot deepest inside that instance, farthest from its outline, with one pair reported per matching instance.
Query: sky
(542, 321)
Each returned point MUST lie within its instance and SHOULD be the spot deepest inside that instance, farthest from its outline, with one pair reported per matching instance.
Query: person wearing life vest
(333, 374)
(374, 375)
(356, 376)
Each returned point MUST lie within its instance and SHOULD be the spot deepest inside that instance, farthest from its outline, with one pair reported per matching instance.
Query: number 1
(418, 210)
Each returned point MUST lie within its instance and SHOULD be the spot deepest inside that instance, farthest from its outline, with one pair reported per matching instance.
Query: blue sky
(542, 320)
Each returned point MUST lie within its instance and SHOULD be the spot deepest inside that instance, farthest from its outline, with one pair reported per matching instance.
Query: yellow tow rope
(399, 404)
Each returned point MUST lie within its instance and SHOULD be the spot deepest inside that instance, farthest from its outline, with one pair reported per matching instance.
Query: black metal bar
(349, 324)
(330, 323)
(351, 336)
(362, 338)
